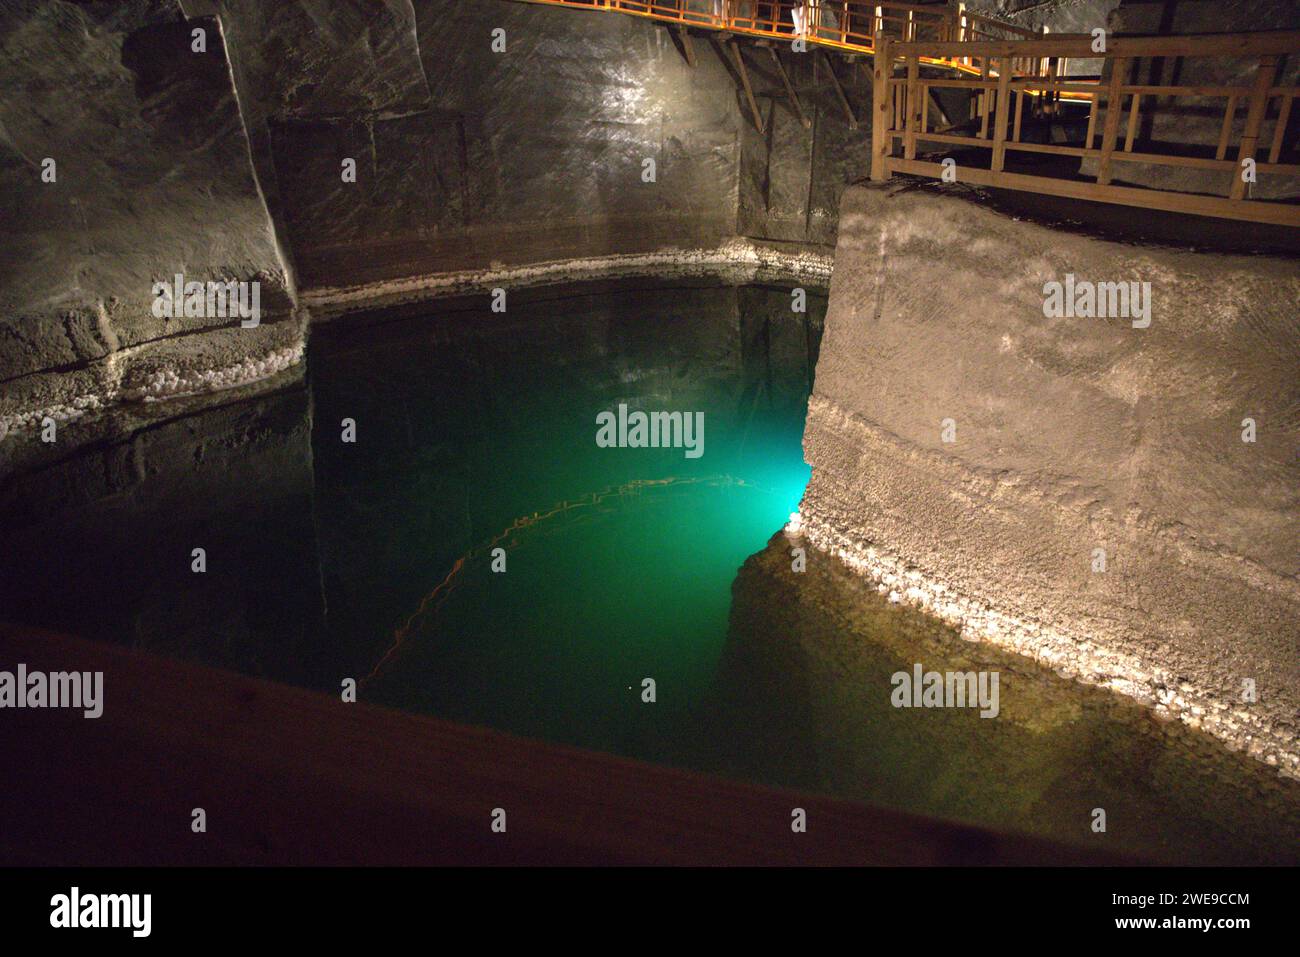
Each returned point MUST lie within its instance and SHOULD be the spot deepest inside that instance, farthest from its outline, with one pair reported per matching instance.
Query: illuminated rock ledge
(1071, 435)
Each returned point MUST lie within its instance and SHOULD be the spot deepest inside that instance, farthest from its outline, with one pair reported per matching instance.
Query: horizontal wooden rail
(1275, 42)
(1114, 117)
(1004, 65)
(849, 27)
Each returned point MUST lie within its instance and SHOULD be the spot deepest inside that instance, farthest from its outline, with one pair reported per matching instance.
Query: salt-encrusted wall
(123, 162)
(483, 137)
(1118, 499)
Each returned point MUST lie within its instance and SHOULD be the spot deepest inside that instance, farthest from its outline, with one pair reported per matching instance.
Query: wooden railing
(902, 116)
(1004, 66)
(844, 25)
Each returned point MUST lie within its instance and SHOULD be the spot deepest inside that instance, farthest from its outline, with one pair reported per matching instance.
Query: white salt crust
(163, 384)
(735, 261)
(1071, 657)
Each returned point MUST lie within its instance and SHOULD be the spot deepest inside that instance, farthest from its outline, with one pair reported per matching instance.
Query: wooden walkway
(1008, 72)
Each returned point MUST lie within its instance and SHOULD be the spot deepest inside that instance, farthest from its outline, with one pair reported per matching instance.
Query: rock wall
(123, 161)
(226, 163)
(1096, 507)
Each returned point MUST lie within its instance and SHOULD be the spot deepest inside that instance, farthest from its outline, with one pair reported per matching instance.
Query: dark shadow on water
(373, 560)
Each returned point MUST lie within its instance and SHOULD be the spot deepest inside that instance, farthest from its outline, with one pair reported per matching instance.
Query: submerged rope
(435, 599)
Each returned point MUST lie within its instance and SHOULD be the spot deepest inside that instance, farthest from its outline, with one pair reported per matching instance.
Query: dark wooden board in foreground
(288, 776)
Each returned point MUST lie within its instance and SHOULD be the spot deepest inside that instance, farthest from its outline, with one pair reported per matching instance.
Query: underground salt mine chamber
(876, 409)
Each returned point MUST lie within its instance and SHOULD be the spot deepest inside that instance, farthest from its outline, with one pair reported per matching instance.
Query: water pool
(374, 560)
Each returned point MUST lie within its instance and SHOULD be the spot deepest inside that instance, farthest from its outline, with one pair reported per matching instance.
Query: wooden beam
(1114, 107)
(984, 99)
(882, 144)
(839, 92)
(789, 89)
(1274, 42)
(912, 115)
(1254, 120)
(1279, 131)
(1131, 133)
(686, 46)
(749, 90)
(1225, 130)
(1002, 114)
(1278, 214)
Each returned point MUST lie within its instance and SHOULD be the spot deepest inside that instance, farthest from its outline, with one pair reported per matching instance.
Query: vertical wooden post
(1114, 108)
(881, 139)
(1003, 108)
(1053, 95)
(984, 99)
(1284, 114)
(1254, 120)
(1092, 121)
(1131, 133)
(1225, 131)
(913, 111)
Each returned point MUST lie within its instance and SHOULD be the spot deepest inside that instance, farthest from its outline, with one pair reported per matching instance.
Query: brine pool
(432, 515)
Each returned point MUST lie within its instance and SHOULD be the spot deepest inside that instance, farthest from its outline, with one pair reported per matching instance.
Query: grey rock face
(227, 164)
(1069, 435)
(150, 178)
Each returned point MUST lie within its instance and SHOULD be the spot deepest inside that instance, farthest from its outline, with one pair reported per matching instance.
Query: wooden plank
(1254, 120)
(1280, 214)
(882, 143)
(913, 114)
(1279, 130)
(1092, 122)
(1274, 42)
(789, 88)
(1110, 132)
(1020, 111)
(1003, 108)
(1132, 122)
(749, 91)
(1225, 131)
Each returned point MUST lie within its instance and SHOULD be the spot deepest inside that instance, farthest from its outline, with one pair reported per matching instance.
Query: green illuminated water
(372, 560)
(622, 564)
(630, 564)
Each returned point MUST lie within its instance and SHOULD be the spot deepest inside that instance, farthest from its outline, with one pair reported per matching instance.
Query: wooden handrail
(1212, 44)
(1118, 125)
(1002, 73)
(836, 24)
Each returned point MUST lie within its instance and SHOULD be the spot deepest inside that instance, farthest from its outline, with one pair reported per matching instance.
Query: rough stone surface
(152, 178)
(1071, 435)
(227, 164)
